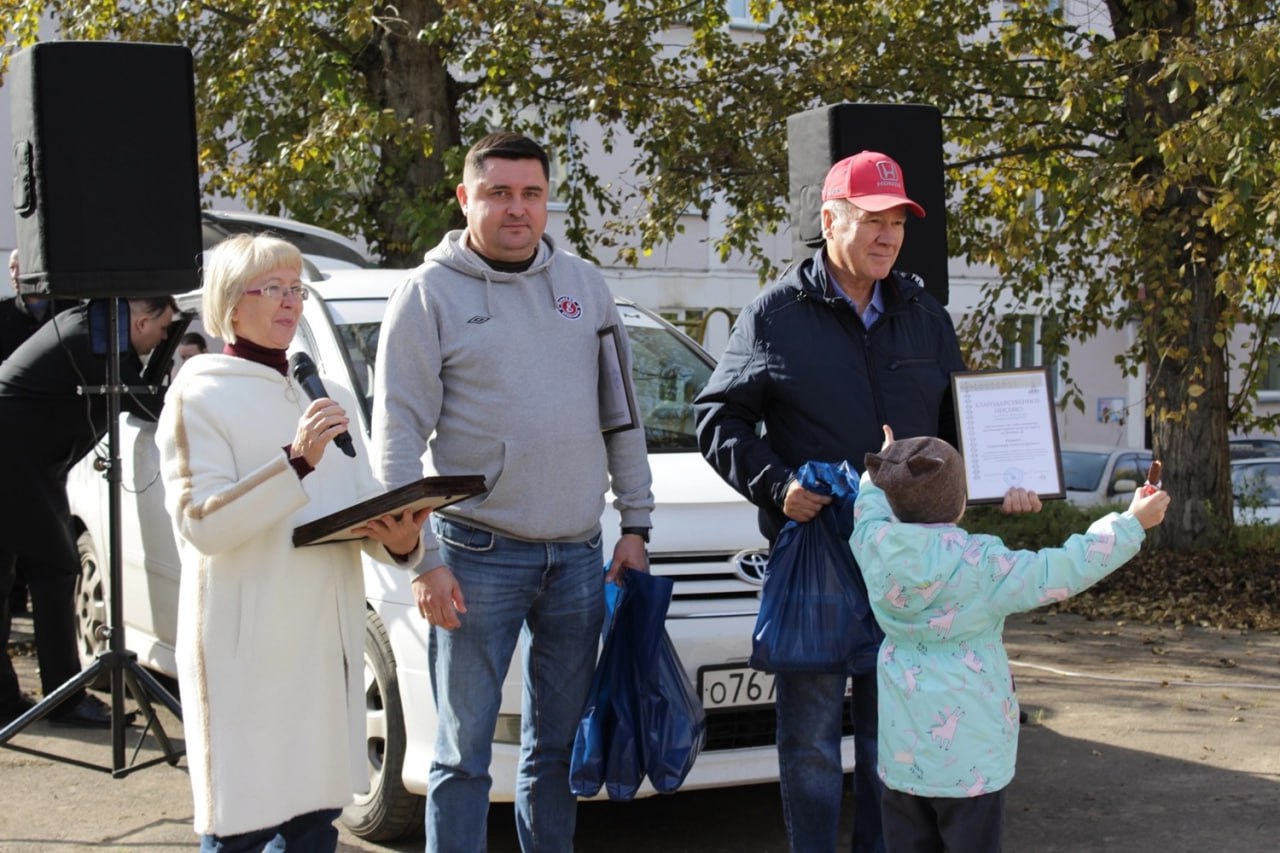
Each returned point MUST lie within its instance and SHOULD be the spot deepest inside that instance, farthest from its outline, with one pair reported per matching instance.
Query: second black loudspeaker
(106, 184)
(910, 134)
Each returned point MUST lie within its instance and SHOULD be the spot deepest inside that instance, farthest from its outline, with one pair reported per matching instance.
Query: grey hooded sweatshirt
(495, 373)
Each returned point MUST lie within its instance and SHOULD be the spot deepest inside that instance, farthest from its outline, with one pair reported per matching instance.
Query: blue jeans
(810, 711)
(550, 597)
(307, 833)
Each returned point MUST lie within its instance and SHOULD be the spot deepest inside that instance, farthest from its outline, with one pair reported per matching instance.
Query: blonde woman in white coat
(270, 637)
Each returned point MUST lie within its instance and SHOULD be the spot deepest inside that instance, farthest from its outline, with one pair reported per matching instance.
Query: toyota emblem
(751, 565)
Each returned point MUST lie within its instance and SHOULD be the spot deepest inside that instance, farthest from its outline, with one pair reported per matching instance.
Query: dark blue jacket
(47, 425)
(800, 362)
(17, 324)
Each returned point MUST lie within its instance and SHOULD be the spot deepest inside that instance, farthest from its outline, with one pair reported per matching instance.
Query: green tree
(1115, 169)
(355, 114)
(1124, 172)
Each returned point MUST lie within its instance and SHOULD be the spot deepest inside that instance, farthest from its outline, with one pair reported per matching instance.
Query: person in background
(22, 313)
(48, 425)
(488, 363)
(270, 637)
(841, 344)
(948, 710)
(190, 345)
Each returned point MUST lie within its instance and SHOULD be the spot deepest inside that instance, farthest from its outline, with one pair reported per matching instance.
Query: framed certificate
(1008, 433)
(431, 492)
(618, 410)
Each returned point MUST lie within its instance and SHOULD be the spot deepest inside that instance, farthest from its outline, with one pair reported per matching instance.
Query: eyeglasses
(277, 292)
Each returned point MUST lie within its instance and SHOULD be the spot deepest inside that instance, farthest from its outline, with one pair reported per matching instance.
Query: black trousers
(942, 824)
(52, 586)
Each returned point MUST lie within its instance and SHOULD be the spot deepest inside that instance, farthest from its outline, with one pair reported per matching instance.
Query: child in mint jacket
(948, 734)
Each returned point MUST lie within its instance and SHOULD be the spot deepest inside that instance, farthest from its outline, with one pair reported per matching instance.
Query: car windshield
(1256, 485)
(1082, 470)
(669, 370)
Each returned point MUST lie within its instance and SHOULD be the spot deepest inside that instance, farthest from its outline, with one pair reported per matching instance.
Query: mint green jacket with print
(948, 713)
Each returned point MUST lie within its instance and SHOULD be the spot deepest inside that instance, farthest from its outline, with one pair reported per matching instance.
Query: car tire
(91, 609)
(388, 811)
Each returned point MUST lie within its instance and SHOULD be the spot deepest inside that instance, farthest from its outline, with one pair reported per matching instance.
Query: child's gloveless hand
(1149, 506)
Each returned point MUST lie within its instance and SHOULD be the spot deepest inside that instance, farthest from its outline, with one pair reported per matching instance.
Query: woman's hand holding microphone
(322, 422)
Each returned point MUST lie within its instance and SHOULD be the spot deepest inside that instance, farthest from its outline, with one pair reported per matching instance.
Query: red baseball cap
(871, 180)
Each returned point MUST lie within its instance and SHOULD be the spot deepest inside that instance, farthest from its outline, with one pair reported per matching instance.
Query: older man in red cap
(840, 346)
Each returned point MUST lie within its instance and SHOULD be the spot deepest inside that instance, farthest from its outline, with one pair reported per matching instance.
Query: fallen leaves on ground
(1229, 591)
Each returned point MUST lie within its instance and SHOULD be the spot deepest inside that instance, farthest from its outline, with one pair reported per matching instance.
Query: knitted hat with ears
(923, 479)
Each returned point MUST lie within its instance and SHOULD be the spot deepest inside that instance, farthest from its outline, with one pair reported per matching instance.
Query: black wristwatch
(642, 532)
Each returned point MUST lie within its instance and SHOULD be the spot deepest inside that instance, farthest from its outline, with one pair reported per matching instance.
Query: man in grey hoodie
(487, 362)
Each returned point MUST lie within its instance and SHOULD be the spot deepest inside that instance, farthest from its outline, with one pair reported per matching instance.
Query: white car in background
(704, 535)
(1253, 447)
(322, 248)
(1100, 474)
(1255, 486)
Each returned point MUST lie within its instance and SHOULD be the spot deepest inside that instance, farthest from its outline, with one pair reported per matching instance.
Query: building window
(1271, 371)
(1055, 6)
(1019, 343)
(740, 14)
(559, 180)
(1023, 338)
(1265, 343)
(688, 320)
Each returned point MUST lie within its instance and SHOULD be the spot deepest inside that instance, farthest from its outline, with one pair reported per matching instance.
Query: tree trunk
(1192, 430)
(1181, 255)
(408, 76)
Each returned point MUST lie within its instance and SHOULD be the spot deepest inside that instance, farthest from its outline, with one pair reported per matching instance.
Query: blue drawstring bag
(672, 720)
(814, 614)
(675, 723)
(642, 715)
(605, 745)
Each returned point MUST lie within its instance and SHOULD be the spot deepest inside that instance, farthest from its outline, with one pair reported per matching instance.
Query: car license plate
(734, 686)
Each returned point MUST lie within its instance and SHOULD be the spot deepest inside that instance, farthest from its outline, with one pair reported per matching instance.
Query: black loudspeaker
(106, 186)
(910, 134)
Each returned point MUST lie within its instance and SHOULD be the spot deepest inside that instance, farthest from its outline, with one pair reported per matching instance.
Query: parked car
(321, 247)
(1253, 448)
(1255, 486)
(704, 535)
(1093, 475)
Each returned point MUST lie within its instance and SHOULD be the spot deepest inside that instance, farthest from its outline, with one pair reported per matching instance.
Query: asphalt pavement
(1139, 739)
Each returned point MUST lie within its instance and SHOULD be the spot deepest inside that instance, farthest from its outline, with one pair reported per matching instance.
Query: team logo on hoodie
(569, 307)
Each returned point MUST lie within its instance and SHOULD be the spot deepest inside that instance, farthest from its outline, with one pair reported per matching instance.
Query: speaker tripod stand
(118, 662)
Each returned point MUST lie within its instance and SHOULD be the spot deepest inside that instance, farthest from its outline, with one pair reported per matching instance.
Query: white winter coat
(270, 637)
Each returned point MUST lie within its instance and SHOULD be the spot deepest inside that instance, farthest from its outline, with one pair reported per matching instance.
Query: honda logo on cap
(888, 171)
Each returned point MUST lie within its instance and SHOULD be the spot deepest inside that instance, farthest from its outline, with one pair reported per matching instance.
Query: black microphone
(305, 374)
